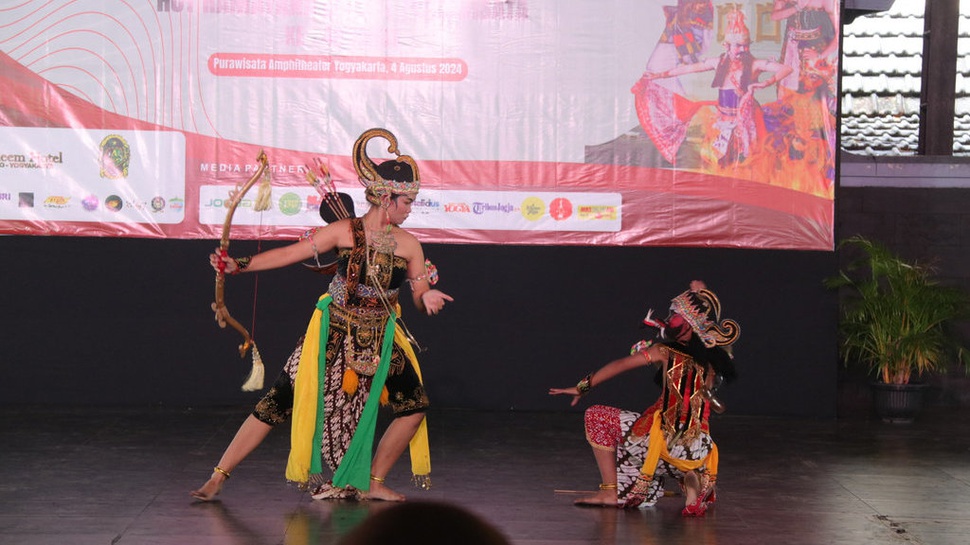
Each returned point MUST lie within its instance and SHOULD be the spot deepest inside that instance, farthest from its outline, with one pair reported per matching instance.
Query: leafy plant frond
(895, 318)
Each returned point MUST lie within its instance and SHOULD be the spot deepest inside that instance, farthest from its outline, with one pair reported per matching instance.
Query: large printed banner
(626, 122)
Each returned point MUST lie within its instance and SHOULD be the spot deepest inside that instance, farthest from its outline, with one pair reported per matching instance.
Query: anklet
(376, 479)
(218, 469)
(605, 486)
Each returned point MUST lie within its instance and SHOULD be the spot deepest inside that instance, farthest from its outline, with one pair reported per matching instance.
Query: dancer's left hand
(434, 301)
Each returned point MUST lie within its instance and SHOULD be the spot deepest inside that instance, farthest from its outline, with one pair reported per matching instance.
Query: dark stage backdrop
(110, 321)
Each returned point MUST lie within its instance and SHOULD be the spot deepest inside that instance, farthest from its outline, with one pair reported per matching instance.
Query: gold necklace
(380, 255)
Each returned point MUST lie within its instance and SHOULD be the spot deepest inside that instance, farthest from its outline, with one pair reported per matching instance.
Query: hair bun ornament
(398, 176)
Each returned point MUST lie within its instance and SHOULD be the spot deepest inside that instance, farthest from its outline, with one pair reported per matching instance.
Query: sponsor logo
(425, 205)
(6, 197)
(90, 203)
(56, 201)
(158, 204)
(113, 203)
(313, 202)
(483, 207)
(596, 212)
(25, 200)
(115, 157)
(560, 209)
(224, 203)
(533, 208)
(176, 204)
(457, 207)
(290, 204)
(31, 160)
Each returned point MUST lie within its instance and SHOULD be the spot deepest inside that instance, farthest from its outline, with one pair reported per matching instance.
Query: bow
(222, 316)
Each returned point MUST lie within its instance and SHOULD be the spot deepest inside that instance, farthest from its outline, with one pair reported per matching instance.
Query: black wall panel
(101, 321)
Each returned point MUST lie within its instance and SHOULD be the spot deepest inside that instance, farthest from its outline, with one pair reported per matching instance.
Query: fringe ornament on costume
(317, 482)
(421, 481)
(256, 375)
(350, 381)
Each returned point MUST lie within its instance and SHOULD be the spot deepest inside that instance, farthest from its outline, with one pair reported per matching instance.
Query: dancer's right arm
(620, 366)
(326, 238)
(608, 371)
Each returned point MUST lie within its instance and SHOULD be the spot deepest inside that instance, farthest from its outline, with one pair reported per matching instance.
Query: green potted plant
(896, 319)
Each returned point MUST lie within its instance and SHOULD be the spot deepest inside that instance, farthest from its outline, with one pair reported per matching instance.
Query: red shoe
(711, 496)
(699, 507)
(696, 509)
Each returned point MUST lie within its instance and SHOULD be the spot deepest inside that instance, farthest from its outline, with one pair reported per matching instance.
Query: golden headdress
(397, 176)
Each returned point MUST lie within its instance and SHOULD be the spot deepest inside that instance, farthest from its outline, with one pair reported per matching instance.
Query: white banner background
(505, 97)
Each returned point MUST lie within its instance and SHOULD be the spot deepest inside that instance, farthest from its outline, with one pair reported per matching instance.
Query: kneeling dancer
(635, 451)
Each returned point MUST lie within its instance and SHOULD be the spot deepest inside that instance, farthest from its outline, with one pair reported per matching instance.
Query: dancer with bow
(355, 354)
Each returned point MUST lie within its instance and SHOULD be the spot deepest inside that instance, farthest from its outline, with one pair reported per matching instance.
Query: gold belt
(365, 335)
(365, 316)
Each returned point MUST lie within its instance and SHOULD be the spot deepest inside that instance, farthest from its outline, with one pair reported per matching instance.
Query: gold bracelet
(377, 479)
(218, 469)
(606, 486)
(584, 385)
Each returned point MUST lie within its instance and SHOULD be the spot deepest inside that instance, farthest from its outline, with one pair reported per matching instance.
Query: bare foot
(603, 498)
(210, 489)
(379, 492)
(692, 486)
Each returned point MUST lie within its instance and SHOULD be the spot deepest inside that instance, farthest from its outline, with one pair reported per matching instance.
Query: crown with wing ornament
(398, 176)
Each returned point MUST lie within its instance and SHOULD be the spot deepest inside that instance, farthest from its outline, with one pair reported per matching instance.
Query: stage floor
(105, 476)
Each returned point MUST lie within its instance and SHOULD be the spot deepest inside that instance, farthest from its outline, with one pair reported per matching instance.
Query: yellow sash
(306, 396)
(657, 450)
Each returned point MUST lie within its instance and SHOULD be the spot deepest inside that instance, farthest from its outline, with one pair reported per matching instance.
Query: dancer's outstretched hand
(572, 391)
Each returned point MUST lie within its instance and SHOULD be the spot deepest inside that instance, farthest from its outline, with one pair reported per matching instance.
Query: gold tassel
(264, 195)
(350, 381)
(385, 397)
(256, 375)
(421, 481)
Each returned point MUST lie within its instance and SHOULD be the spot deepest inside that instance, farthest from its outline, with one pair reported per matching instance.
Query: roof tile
(881, 69)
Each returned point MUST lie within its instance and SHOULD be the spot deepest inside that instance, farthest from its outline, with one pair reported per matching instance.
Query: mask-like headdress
(817, 67)
(736, 31)
(702, 310)
(392, 177)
